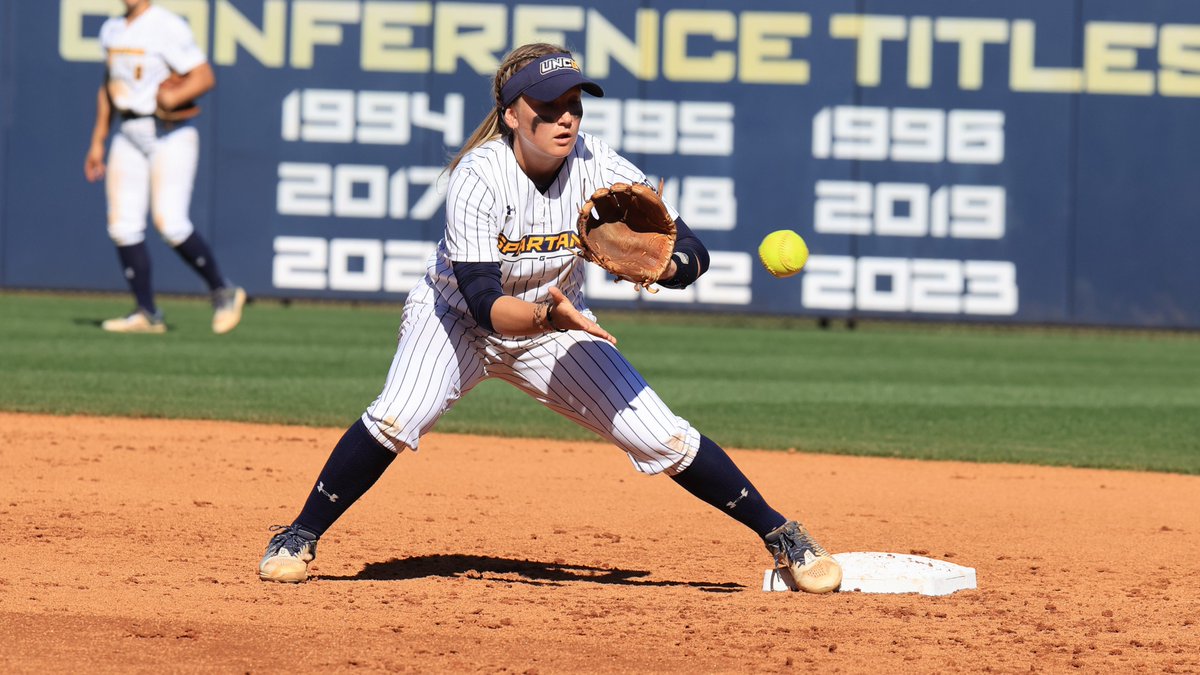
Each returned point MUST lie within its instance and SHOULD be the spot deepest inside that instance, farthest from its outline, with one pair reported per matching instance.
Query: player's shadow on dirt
(511, 571)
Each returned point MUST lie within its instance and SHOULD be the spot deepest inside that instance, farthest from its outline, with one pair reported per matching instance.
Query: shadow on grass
(511, 571)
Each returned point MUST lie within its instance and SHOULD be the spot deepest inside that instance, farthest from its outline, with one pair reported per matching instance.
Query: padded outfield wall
(1029, 161)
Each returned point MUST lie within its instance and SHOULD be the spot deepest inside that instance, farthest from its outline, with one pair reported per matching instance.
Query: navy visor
(546, 79)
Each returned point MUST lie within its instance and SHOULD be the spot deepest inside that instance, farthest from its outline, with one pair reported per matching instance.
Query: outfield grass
(1081, 398)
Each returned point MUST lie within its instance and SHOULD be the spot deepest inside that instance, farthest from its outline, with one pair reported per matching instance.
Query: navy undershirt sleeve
(479, 283)
(691, 257)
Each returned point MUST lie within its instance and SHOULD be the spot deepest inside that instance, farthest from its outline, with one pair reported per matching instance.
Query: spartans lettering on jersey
(537, 243)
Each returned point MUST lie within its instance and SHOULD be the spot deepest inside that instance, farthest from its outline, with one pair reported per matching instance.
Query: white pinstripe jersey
(495, 213)
(142, 53)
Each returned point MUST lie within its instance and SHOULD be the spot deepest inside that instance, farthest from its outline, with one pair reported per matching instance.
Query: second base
(888, 573)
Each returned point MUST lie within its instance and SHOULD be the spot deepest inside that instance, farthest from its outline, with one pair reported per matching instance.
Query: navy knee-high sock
(135, 264)
(196, 253)
(714, 478)
(357, 461)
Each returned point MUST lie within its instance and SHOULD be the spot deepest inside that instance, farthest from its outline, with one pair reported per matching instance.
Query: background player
(152, 164)
(503, 297)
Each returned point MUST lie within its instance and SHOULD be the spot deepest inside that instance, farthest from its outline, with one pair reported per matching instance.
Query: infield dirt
(131, 546)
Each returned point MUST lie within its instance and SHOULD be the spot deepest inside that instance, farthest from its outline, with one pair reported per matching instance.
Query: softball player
(152, 163)
(503, 298)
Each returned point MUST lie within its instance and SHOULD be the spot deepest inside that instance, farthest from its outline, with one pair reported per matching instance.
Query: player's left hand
(169, 98)
(628, 230)
(568, 318)
(672, 270)
(175, 92)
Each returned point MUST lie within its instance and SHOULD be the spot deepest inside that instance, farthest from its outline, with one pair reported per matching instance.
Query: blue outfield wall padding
(6, 97)
(994, 161)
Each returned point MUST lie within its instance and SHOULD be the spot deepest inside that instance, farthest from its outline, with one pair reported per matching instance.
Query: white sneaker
(227, 308)
(140, 321)
(813, 569)
(288, 554)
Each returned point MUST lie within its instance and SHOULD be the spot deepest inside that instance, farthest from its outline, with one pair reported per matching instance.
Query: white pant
(151, 166)
(442, 355)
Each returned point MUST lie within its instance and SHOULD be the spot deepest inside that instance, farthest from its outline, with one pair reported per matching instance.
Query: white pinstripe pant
(151, 168)
(442, 355)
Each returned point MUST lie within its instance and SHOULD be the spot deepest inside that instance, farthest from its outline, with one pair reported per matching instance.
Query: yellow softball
(783, 253)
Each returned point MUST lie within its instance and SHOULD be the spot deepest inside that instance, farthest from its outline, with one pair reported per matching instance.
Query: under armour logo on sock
(733, 503)
(333, 498)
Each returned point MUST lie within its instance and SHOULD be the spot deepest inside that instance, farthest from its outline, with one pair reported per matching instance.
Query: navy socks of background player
(714, 478)
(357, 461)
(196, 253)
(135, 264)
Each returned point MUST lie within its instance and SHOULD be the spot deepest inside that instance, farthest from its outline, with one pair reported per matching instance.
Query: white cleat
(140, 321)
(812, 568)
(227, 308)
(288, 554)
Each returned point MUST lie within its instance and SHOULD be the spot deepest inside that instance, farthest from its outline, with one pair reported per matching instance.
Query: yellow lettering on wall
(1179, 57)
(195, 12)
(605, 43)
(870, 31)
(971, 35)
(234, 29)
(1025, 75)
(542, 23)
(388, 37)
(478, 46)
(1110, 57)
(678, 26)
(683, 44)
(73, 45)
(765, 47)
(920, 52)
(315, 22)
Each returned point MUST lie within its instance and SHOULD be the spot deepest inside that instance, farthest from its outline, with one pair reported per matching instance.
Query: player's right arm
(472, 225)
(479, 283)
(93, 165)
(514, 316)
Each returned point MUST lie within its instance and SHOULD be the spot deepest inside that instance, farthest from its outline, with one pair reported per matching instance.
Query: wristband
(550, 316)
